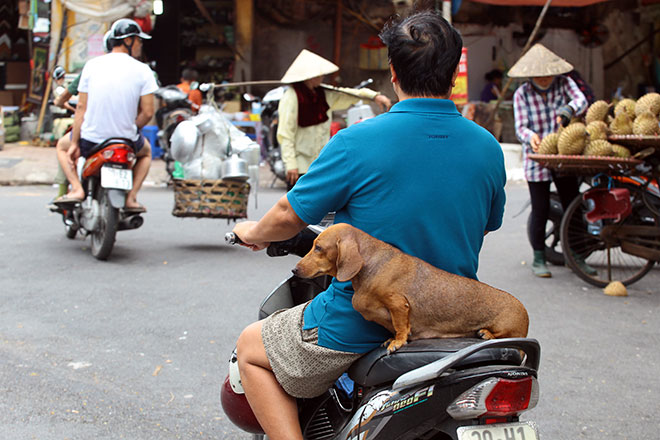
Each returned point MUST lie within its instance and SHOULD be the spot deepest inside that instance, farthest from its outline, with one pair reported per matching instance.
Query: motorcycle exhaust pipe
(132, 222)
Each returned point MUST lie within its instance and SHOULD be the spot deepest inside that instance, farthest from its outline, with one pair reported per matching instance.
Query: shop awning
(560, 3)
(106, 11)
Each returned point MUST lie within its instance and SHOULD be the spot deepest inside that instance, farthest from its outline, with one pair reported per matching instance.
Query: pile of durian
(589, 137)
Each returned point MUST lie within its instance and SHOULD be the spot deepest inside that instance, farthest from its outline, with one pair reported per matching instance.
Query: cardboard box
(18, 72)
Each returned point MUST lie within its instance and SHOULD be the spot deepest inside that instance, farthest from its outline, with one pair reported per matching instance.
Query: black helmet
(107, 43)
(58, 72)
(124, 28)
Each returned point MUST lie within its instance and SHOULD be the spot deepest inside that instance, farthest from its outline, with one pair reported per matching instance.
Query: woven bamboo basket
(210, 198)
(586, 165)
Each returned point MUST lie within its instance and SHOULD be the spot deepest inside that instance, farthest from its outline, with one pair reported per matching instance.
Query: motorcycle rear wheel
(103, 239)
(583, 245)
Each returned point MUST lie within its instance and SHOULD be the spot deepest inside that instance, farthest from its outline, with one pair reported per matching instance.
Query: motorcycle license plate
(500, 431)
(119, 178)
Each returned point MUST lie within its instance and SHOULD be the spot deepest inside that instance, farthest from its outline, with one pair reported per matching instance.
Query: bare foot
(132, 203)
(74, 195)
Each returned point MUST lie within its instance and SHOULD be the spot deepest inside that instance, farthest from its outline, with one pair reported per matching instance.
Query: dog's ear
(349, 260)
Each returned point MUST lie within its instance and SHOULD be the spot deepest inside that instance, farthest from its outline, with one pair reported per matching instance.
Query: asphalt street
(137, 347)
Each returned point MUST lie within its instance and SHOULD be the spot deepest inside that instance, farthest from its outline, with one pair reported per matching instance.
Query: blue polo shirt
(421, 178)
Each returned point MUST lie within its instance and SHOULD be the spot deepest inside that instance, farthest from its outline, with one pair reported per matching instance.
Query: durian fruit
(597, 130)
(625, 105)
(572, 139)
(549, 144)
(598, 147)
(649, 102)
(597, 112)
(620, 151)
(621, 124)
(646, 124)
(615, 288)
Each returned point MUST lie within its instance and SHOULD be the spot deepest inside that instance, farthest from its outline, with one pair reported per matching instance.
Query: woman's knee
(250, 347)
(145, 150)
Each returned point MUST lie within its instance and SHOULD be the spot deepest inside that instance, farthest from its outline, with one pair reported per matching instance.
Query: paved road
(136, 347)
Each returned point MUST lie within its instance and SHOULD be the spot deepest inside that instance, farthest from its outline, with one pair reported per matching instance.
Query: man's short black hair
(189, 75)
(424, 50)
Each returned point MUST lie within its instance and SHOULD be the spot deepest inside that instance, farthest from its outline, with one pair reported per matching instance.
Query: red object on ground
(608, 204)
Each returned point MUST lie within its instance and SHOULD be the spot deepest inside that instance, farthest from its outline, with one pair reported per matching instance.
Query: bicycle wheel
(598, 260)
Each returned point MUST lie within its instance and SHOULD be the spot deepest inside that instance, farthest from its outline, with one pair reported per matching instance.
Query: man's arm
(62, 101)
(146, 110)
(280, 223)
(79, 117)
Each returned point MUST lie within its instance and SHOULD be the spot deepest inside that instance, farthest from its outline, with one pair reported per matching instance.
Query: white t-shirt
(114, 84)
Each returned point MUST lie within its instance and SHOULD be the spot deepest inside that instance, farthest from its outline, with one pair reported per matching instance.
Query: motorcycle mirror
(205, 87)
(365, 83)
(249, 97)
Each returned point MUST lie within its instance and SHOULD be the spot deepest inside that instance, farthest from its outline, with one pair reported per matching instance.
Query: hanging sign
(460, 91)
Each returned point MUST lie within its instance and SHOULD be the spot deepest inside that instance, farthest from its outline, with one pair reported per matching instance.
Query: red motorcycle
(106, 176)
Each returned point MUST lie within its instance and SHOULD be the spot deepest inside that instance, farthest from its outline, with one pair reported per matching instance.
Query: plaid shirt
(536, 114)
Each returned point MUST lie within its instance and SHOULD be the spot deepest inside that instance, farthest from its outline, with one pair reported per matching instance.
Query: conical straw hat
(539, 61)
(308, 65)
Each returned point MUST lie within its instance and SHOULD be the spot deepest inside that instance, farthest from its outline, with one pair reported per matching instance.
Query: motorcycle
(456, 389)
(270, 147)
(174, 108)
(106, 176)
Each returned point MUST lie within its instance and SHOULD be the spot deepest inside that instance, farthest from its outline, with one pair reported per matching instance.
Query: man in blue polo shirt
(420, 177)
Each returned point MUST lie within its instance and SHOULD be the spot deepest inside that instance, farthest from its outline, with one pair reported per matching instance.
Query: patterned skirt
(303, 368)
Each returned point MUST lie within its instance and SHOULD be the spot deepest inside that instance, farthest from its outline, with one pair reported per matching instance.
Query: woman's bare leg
(276, 411)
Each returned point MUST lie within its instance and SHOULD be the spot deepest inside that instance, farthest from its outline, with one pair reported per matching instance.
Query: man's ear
(453, 78)
(393, 73)
(349, 260)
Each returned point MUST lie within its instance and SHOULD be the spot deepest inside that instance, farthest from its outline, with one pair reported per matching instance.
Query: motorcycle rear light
(496, 397)
(118, 155)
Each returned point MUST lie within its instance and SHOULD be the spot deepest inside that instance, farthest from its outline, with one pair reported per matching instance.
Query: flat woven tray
(585, 165)
(635, 142)
(210, 198)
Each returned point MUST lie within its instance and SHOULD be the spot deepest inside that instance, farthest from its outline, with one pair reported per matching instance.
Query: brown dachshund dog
(408, 296)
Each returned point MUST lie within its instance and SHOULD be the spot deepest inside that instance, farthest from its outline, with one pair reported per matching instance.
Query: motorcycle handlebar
(299, 244)
(231, 238)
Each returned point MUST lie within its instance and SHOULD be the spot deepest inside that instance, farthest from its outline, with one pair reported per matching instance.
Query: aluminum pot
(235, 168)
(203, 122)
(252, 154)
(183, 141)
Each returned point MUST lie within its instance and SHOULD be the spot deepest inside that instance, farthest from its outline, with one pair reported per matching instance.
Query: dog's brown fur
(409, 296)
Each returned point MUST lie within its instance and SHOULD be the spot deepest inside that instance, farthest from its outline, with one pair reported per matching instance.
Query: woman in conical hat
(546, 100)
(305, 111)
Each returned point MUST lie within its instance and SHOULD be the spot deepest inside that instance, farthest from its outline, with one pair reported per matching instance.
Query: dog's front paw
(394, 344)
(485, 334)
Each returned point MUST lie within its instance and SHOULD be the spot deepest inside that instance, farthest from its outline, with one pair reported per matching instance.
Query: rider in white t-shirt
(115, 100)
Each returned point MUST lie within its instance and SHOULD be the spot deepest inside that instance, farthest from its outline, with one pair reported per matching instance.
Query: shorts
(303, 368)
(86, 146)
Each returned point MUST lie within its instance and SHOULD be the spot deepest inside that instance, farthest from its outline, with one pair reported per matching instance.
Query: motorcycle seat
(378, 367)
